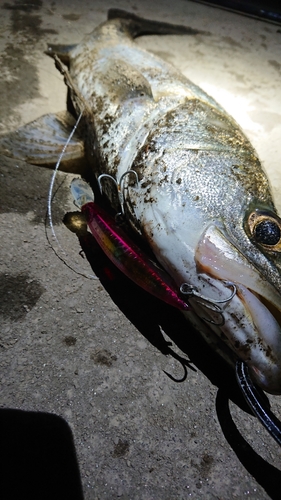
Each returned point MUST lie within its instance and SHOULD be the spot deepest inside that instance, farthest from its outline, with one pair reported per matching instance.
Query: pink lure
(128, 258)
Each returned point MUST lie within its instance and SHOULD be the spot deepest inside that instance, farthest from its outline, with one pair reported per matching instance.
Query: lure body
(124, 253)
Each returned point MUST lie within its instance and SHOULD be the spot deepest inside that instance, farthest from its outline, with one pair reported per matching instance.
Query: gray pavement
(96, 352)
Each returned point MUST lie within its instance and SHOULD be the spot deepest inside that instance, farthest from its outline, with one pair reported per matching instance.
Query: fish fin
(62, 51)
(138, 26)
(41, 141)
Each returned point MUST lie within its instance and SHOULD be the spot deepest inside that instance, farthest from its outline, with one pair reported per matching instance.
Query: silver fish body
(201, 199)
(199, 180)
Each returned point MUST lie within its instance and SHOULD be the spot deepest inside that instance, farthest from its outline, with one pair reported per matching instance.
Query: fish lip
(270, 306)
(256, 301)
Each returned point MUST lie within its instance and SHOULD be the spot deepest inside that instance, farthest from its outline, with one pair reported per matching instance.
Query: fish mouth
(251, 317)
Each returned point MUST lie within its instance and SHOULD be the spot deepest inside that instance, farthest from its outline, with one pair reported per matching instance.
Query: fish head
(246, 253)
(210, 220)
(213, 224)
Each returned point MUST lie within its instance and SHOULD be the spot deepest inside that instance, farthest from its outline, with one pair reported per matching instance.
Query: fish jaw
(252, 317)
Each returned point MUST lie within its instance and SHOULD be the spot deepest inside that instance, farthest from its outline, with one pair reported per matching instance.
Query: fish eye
(265, 230)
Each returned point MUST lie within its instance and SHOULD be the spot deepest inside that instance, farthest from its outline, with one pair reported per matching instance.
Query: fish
(198, 197)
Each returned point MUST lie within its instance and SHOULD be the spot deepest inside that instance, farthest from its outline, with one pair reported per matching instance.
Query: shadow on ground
(268, 476)
(37, 457)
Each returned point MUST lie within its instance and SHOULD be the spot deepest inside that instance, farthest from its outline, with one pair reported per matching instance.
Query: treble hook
(102, 176)
(119, 185)
(188, 289)
(212, 304)
(125, 174)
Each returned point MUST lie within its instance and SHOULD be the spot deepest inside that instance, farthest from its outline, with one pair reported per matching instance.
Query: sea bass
(199, 196)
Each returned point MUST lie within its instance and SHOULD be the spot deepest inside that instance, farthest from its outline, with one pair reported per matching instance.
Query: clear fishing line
(49, 208)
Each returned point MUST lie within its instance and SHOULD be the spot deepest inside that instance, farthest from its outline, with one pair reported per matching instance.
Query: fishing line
(49, 207)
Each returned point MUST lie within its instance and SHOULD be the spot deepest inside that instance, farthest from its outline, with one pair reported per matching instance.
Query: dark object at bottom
(37, 457)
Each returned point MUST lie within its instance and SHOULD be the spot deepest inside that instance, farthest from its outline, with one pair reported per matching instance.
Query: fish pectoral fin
(138, 26)
(41, 142)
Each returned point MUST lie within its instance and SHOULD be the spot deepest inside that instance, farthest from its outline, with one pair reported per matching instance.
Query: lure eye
(265, 230)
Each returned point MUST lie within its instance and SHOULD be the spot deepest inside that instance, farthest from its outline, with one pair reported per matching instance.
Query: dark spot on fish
(71, 17)
(268, 352)
(106, 123)
(69, 340)
(145, 184)
(149, 147)
(121, 449)
(98, 103)
(115, 165)
(179, 181)
(103, 357)
(164, 179)
(149, 200)
(19, 294)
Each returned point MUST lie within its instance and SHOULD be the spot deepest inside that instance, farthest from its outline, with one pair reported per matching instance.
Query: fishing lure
(122, 251)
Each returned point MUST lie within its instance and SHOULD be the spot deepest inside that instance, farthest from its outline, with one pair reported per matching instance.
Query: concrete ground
(96, 352)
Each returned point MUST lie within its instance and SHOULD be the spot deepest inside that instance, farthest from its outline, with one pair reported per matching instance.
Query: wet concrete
(97, 353)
